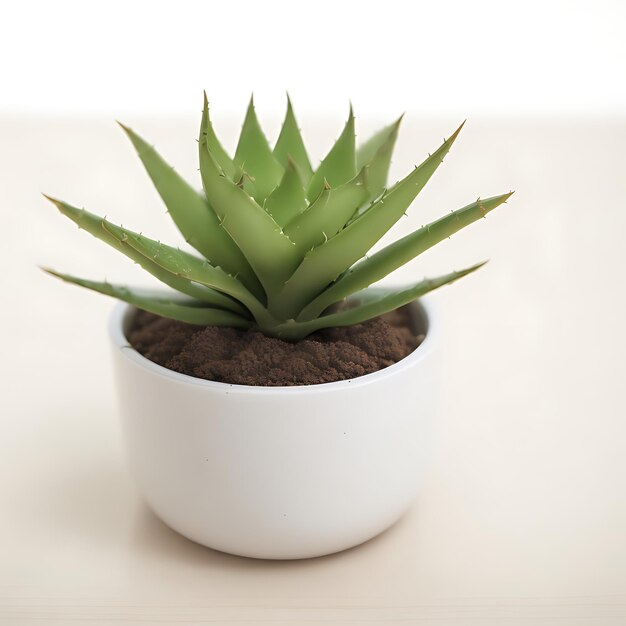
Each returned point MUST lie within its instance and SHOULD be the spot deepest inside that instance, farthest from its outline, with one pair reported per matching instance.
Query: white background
(463, 58)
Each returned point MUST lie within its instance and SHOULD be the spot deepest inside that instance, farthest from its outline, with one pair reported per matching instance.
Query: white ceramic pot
(278, 472)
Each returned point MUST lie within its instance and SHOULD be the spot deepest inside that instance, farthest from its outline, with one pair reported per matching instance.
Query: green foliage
(282, 245)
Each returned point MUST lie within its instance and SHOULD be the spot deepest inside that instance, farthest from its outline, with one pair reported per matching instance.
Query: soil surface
(250, 358)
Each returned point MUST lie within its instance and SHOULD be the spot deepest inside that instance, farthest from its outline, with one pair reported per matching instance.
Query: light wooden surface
(523, 519)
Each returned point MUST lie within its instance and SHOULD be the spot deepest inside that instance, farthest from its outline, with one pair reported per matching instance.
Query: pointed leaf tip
(477, 266)
(254, 156)
(289, 149)
(455, 134)
(57, 203)
(339, 164)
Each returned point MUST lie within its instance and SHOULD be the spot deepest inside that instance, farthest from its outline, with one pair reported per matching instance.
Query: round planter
(278, 472)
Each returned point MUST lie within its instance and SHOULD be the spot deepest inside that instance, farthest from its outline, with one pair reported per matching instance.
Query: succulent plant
(281, 244)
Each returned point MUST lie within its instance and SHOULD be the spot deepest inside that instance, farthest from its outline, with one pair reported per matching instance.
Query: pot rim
(429, 311)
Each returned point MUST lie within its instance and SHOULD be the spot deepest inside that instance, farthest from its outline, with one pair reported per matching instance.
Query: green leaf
(208, 136)
(327, 215)
(339, 165)
(116, 237)
(183, 264)
(366, 151)
(288, 200)
(208, 141)
(376, 154)
(269, 252)
(254, 156)
(371, 307)
(325, 263)
(397, 254)
(290, 145)
(160, 303)
(191, 213)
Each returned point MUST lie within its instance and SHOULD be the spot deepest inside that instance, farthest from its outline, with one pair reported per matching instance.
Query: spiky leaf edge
(371, 307)
(325, 263)
(192, 313)
(398, 253)
(117, 238)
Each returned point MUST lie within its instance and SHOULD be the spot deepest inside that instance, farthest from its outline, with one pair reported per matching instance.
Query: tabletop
(522, 519)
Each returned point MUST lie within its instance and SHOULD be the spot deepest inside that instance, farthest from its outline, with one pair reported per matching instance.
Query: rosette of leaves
(280, 245)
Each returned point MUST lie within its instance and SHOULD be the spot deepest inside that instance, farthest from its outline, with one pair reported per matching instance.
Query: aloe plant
(280, 243)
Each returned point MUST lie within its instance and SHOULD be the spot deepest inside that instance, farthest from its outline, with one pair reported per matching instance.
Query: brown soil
(250, 358)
